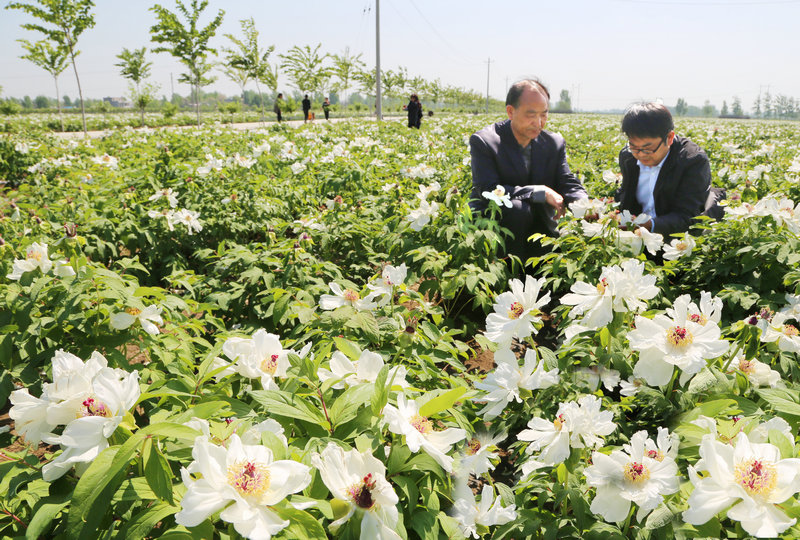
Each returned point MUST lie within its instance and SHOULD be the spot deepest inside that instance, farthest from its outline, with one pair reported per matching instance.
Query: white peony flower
(577, 425)
(243, 481)
(391, 277)
(477, 456)
(750, 476)
(504, 384)
(35, 257)
(664, 342)
(779, 331)
(188, 218)
(635, 474)
(148, 317)
(404, 419)
(359, 480)
(498, 196)
(259, 357)
(469, 514)
(347, 297)
(363, 370)
(516, 311)
(168, 193)
(679, 247)
(423, 215)
(758, 373)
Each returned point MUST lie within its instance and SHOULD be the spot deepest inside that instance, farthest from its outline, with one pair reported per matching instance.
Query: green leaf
(281, 403)
(302, 525)
(346, 406)
(605, 337)
(350, 349)
(142, 523)
(381, 395)
(157, 471)
(779, 439)
(43, 514)
(93, 494)
(658, 517)
(442, 402)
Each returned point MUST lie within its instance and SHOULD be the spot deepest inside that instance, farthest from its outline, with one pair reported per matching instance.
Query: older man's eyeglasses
(645, 151)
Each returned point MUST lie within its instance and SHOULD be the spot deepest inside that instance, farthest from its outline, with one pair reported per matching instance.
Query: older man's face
(529, 118)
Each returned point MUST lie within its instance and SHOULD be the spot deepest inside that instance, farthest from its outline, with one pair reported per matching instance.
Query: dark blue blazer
(497, 160)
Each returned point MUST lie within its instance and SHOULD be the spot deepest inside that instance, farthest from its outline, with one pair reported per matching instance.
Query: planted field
(304, 333)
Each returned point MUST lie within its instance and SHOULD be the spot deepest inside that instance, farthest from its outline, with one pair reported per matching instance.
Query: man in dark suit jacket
(529, 163)
(663, 175)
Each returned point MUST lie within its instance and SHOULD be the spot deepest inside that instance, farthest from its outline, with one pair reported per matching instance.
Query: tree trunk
(197, 101)
(58, 103)
(80, 92)
(260, 101)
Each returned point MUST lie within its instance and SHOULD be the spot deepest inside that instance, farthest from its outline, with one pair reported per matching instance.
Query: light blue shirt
(647, 183)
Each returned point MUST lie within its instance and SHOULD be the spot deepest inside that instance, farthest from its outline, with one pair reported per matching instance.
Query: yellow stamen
(249, 478)
(636, 473)
(757, 477)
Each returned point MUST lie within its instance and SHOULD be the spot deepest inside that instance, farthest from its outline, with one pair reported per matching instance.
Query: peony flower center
(558, 423)
(94, 407)
(636, 473)
(351, 296)
(473, 447)
(361, 493)
(681, 246)
(270, 365)
(35, 255)
(133, 311)
(757, 477)
(602, 285)
(766, 314)
(790, 330)
(499, 191)
(421, 424)
(698, 318)
(249, 478)
(747, 366)
(679, 336)
(516, 310)
(657, 455)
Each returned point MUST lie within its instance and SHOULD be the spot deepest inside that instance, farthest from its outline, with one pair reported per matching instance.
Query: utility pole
(488, 64)
(378, 111)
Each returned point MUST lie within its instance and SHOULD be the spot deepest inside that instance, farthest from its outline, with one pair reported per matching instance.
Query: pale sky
(608, 53)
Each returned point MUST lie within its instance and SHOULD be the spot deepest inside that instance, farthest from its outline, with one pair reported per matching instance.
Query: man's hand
(554, 199)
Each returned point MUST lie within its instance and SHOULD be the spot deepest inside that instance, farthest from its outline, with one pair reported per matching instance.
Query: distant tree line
(779, 107)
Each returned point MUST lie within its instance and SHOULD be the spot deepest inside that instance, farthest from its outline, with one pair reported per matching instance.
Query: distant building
(121, 102)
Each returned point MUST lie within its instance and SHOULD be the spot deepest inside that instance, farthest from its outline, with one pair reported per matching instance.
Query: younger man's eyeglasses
(645, 151)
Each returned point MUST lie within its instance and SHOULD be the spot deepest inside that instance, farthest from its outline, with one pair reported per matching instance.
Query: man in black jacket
(664, 176)
(529, 163)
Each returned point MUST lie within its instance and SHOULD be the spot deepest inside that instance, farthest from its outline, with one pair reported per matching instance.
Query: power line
(447, 43)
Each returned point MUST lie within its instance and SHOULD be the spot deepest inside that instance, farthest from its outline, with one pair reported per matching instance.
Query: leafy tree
(757, 106)
(51, 58)
(564, 102)
(345, 68)
(306, 68)
(67, 101)
(62, 21)
(136, 69)
(681, 107)
(724, 110)
(736, 107)
(767, 105)
(708, 109)
(367, 80)
(187, 43)
(237, 75)
(250, 59)
(41, 102)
